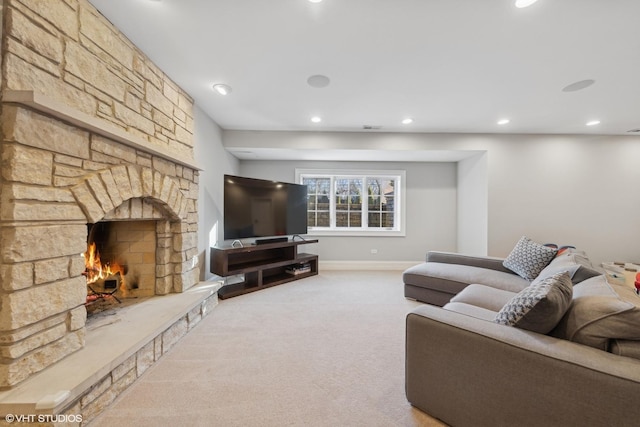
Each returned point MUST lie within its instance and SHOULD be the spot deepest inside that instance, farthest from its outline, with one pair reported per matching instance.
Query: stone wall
(57, 177)
(66, 50)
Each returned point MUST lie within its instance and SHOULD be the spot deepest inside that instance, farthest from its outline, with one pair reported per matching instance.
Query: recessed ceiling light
(316, 119)
(503, 121)
(315, 1)
(593, 122)
(222, 89)
(407, 121)
(524, 3)
(582, 84)
(318, 81)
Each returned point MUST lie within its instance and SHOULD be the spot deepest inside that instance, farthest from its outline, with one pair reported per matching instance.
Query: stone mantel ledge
(51, 107)
(107, 346)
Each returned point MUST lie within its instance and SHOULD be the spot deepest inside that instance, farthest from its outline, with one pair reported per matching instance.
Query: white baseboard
(366, 265)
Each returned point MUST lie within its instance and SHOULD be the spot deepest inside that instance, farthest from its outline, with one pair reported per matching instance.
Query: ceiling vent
(634, 130)
(371, 127)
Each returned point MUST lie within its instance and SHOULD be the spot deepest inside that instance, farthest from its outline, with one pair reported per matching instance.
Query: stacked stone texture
(66, 50)
(56, 178)
(105, 391)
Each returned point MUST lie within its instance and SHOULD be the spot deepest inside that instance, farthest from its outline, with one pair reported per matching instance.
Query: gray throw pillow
(540, 306)
(528, 258)
(573, 261)
(601, 312)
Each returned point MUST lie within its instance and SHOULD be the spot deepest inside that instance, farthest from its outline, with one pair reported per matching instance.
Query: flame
(95, 270)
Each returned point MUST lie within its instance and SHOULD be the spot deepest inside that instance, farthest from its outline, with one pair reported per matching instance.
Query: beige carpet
(324, 351)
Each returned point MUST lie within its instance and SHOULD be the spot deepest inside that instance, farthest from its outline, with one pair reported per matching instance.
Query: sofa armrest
(470, 372)
(492, 263)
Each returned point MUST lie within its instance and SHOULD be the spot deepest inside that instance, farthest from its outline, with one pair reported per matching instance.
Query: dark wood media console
(263, 265)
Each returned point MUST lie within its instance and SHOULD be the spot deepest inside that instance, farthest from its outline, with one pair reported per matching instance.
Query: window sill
(355, 233)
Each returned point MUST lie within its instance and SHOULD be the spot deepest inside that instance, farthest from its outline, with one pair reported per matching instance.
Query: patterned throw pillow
(529, 258)
(540, 306)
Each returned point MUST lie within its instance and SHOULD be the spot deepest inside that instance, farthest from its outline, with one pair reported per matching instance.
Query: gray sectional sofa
(572, 359)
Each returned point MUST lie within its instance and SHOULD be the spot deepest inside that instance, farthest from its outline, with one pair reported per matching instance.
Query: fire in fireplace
(103, 280)
(120, 261)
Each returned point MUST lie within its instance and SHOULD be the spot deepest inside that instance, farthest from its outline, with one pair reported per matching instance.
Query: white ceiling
(451, 65)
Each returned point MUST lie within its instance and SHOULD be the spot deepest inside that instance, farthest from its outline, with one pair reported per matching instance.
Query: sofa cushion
(452, 278)
(528, 258)
(483, 296)
(626, 348)
(540, 306)
(492, 263)
(599, 313)
(471, 310)
(573, 261)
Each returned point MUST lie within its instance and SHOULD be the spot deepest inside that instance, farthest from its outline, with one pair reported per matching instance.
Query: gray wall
(568, 189)
(582, 191)
(214, 161)
(431, 210)
(473, 206)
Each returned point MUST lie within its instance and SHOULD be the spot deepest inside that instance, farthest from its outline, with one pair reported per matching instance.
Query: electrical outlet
(374, 251)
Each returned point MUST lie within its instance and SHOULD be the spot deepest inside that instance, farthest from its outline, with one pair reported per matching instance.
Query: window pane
(324, 185)
(311, 185)
(373, 186)
(355, 219)
(342, 219)
(374, 219)
(389, 205)
(374, 203)
(348, 202)
(312, 203)
(381, 193)
(324, 219)
(387, 220)
(342, 190)
(311, 219)
(318, 201)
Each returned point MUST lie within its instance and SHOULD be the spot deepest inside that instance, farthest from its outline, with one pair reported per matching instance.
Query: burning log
(111, 274)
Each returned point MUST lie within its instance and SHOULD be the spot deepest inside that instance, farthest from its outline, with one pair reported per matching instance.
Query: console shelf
(263, 265)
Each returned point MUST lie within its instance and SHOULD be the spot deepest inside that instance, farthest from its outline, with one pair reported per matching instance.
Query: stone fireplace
(51, 192)
(94, 135)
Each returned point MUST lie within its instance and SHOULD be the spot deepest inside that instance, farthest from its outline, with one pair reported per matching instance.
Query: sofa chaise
(561, 348)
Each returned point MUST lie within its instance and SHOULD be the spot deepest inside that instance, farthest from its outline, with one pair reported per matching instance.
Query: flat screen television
(256, 208)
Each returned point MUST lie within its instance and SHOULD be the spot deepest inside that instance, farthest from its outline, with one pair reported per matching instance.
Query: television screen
(262, 208)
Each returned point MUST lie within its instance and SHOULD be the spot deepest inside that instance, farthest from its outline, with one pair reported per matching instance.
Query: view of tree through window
(381, 202)
(352, 202)
(348, 202)
(318, 190)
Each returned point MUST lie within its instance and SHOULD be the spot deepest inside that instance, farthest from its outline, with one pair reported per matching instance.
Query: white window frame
(399, 195)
